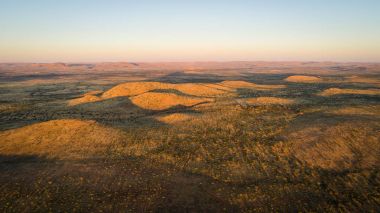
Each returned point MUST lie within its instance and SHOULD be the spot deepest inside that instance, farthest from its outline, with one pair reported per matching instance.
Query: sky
(189, 30)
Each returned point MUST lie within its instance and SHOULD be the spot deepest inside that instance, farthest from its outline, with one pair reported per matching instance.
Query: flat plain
(180, 137)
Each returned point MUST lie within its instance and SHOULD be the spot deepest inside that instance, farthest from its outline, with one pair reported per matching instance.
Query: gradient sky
(189, 30)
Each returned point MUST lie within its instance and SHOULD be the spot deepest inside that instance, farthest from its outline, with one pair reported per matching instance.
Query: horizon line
(190, 61)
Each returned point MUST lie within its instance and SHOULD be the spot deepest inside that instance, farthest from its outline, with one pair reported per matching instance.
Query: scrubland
(216, 138)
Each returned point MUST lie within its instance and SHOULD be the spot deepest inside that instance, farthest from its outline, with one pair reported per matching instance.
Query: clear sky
(189, 30)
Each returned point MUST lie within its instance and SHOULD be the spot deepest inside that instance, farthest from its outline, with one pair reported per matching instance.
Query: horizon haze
(151, 31)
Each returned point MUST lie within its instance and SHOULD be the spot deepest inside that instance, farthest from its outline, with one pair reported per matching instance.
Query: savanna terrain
(190, 137)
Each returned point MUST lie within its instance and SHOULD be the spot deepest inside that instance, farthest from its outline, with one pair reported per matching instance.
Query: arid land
(178, 137)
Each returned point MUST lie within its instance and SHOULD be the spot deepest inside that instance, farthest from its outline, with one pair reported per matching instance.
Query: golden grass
(9, 107)
(360, 79)
(268, 101)
(341, 146)
(134, 88)
(362, 110)
(220, 87)
(84, 99)
(137, 88)
(174, 118)
(337, 91)
(131, 89)
(198, 89)
(245, 84)
(303, 79)
(161, 101)
(66, 138)
(137, 91)
(95, 92)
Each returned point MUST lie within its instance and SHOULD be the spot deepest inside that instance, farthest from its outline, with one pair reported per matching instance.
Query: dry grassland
(303, 79)
(161, 101)
(174, 118)
(242, 139)
(338, 91)
(63, 139)
(268, 101)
